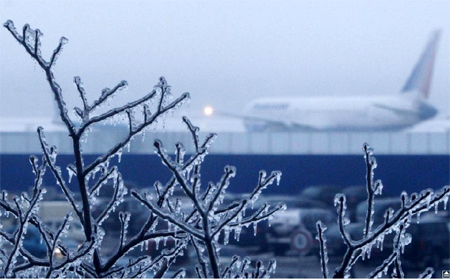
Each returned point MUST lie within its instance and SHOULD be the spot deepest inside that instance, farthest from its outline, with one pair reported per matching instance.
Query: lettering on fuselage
(271, 106)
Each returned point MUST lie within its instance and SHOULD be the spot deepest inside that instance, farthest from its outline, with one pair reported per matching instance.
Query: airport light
(208, 111)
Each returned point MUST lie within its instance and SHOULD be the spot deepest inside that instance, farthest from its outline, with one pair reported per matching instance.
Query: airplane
(432, 126)
(347, 113)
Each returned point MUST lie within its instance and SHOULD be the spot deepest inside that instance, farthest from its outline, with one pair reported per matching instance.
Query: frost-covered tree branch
(206, 222)
(31, 40)
(394, 222)
(322, 248)
(199, 226)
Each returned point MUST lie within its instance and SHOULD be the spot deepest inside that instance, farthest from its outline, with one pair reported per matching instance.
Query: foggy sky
(225, 53)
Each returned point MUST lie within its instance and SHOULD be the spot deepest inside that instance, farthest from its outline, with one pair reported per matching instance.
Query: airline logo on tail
(420, 78)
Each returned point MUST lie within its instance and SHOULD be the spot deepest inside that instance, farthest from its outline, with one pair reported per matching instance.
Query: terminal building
(407, 160)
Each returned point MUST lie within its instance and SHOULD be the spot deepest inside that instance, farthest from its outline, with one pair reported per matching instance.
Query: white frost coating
(181, 274)
(411, 205)
(63, 41)
(9, 24)
(119, 154)
(269, 220)
(346, 221)
(378, 187)
(71, 172)
(124, 218)
(231, 214)
(146, 245)
(324, 254)
(404, 197)
(405, 239)
(278, 177)
(237, 232)
(262, 175)
(180, 151)
(428, 273)
(226, 236)
(231, 170)
(282, 206)
(34, 163)
(339, 200)
(389, 212)
(255, 228)
(210, 195)
(157, 243)
(380, 242)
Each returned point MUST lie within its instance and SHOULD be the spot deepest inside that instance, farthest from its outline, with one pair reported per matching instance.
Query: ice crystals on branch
(395, 222)
(209, 216)
(263, 182)
(23, 208)
(200, 223)
(87, 260)
(428, 273)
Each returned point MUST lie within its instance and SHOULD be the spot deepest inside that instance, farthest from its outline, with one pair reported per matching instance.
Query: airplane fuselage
(337, 113)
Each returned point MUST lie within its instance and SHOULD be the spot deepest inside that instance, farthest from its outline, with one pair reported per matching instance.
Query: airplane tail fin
(420, 78)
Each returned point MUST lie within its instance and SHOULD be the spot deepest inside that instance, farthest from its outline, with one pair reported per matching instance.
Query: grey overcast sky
(225, 53)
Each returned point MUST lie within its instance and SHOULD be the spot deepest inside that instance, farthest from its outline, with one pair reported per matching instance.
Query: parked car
(294, 225)
(75, 231)
(430, 241)
(247, 236)
(429, 246)
(227, 252)
(380, 205)
(354, 196)
(32, 241)
(335, 244)
(322, 193)
(260, 239)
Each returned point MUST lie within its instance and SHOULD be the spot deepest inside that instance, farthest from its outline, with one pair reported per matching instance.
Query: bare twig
(396, 221)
